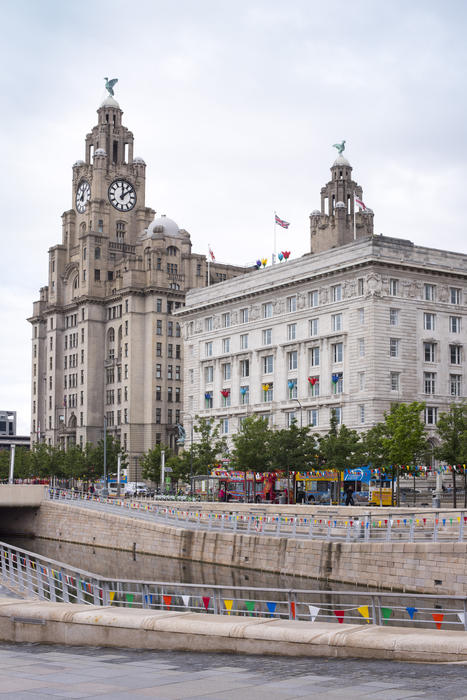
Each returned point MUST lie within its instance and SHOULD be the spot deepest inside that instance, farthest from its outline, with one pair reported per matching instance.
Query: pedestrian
(349, 499)
(221, 494)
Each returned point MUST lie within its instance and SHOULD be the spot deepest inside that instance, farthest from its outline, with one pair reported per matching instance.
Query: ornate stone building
(105, 342)
(354, 326)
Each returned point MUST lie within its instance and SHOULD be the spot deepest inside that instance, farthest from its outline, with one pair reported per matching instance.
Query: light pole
(191, 452)
(301, 412)
(105, 490)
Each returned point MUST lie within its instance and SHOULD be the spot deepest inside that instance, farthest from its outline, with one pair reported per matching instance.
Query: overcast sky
(234, 107)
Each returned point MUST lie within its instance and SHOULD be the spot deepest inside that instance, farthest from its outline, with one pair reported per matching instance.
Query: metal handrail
(49, 579)
(396, 526)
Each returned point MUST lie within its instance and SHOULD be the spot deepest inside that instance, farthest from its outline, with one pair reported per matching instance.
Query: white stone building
(365, 322)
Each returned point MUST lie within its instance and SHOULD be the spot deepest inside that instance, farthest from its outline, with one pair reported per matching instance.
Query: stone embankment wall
(432, 567)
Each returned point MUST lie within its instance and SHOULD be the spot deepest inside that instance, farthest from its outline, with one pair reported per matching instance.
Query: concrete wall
(430, 568)
(14, 495)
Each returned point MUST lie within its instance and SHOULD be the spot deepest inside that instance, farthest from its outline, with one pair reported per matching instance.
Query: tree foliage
(151, 462)
(341, 448)
(252, 445)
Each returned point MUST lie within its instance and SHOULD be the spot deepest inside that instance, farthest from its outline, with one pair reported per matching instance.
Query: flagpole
(275, 241)
(209, 265)
(354, 221)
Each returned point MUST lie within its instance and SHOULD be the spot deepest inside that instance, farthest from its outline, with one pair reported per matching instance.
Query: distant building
(359, 323)
(104, 340)
(8, 434)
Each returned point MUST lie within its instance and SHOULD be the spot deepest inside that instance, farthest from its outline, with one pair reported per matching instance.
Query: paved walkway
(31, 671)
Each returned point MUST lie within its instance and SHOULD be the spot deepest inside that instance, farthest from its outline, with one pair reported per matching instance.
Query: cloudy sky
(235, 107)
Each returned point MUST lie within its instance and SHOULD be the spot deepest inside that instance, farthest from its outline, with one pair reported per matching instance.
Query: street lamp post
(191, 453)
(301, 412)
(105, 490)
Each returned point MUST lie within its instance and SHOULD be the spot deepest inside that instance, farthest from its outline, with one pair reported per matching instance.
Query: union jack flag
(281, 222)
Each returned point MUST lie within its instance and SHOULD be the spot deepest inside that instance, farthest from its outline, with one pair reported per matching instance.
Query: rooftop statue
(109, 85)
(340, 147)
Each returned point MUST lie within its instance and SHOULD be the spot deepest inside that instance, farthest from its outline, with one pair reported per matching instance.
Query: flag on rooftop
(213, 257)
(360, 202)
(281, 222)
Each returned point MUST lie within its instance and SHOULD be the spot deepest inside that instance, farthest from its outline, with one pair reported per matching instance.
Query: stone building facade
(104, 340)
(354, 327)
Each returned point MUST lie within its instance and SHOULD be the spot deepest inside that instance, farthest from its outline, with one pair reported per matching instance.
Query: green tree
(452, 432)
(252, 445)
(95, 457)
(340, 449)
(294, 448)
(151, 462)
(208, 447)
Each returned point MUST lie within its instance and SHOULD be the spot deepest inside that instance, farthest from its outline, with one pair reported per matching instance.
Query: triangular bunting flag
(438, 618)
(314, 612)
(228, 605)
(364, 612)
(186, 600)
(250, 605)
(386, 614)
(292, 609)
(461, 617)
(412, 612)
(206, 600)
(271, 607)
(167, 600)
(129, 598)
(111, 595)
(340, 615)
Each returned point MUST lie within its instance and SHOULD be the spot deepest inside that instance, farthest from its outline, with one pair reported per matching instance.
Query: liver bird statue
(109, 85)
(340, 146)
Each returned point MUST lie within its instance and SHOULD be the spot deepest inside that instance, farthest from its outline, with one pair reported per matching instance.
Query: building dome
(138, 159)
(99, 152)
(316, 212)
(162, 224)
(78, 163)
(110, 102)
(340, 205)
(340, 162)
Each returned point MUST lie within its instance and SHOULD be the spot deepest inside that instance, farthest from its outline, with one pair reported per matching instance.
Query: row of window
(110, 395)
(171, 305)
(337, 356)
(170, 351)
(170, 416)
(170, 372)
(170, 394)
(170, 328)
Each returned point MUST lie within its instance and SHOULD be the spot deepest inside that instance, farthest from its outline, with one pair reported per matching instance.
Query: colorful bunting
(412, 612)
(340, 615)
(438, 618)
(364, 612)
(271, 607)
(461, 617)
(292, 609)
(186, 600)
(111, 595)
(314, 612)
(129, 598)
(386, 614)
(167, 601)
(206, 600)
(228, 605)
(250, 605)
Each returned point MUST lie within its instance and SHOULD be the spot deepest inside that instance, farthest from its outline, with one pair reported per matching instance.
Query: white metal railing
(47, 579)
(328, 524)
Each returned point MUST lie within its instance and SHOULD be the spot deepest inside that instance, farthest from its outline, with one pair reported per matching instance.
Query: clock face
(122, 195)
(83, 195)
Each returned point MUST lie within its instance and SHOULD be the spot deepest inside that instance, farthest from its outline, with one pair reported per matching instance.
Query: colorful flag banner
(186, 600)
(386, 614)
(364, 612)
(314, 612)
(360, 202)
(111, 595)
(438, 618)
(340, 615)
(292, 609)
(129, 598)
(412, 612)
(271, 607)
(228, 605)
(206, 600)
(250, 605)
(281, 222)
(211, 254)
(167, 600)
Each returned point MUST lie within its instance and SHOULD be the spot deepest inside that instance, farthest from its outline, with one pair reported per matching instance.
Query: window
(208, 349)
(268, 393)
(395, 383)
(393, 287)
(178, 355)
(226, 320)
(243, 315)
(336, 322)
(455, 354)
(244, 368)
(313, 417)
(361, 381)
(208, 323)
(100, 226)
(172, 268)
(292, 359)
(158, 415)
(97, 275)
(313, 299)
(158, 371)
(159, 327)
(159, 306)
(170, 328)
(225, 425)
(267, 310)
(158, 349)
(225, 397)
(226, 345)
(244, 395)
(337, 352)
(177, 330)
(361, 347)
(361, 316)
(455, 295)
(360, 286)
(198, 270)
(159, 264)
(227, 370)
(267, 336)
(429, 352)
(393, 347)
(393, 317)
(314, 357)
(429, 322)
(429, 379)
(191, 376)
(337, 383)
(362, 413)
(314, 326)
(177, 373)
(291, 331)
(268, 364)
(314, 386)
(97, 253)
(170, 372)
(291, 303)
(169, 394)
(455, 384)
(170, 350)
(208, 399)
(244, 341)
(429, 292)
(431, 415)
(292, 388)
(336, 292)
(454, 324)
(158, 393)
(338, 414)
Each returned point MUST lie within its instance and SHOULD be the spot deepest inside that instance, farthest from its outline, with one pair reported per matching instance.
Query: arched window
(111, 335)
(172, 250)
